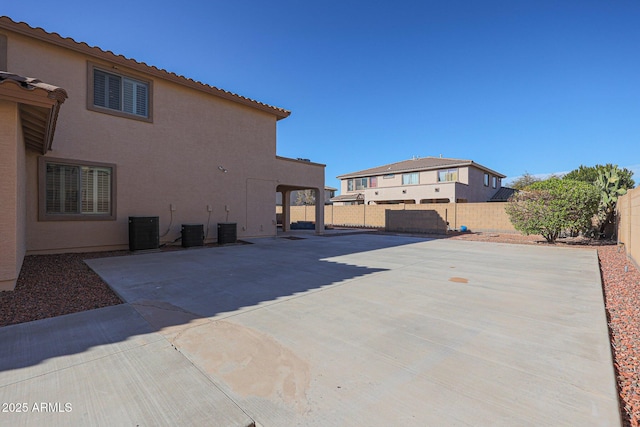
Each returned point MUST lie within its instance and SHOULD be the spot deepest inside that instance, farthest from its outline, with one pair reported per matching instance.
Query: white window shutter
(128, 93)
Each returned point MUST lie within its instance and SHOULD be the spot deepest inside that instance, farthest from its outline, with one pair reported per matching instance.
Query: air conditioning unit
(144, 233)
(192, 235)
(227, 233)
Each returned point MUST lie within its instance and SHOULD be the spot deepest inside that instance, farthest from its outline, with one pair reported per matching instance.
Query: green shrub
(552, 206)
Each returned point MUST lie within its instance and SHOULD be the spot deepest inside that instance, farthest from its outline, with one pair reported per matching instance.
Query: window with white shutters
(75, 190)
(120, 93)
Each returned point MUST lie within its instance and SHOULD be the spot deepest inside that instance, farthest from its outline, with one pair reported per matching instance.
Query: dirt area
(53, 285)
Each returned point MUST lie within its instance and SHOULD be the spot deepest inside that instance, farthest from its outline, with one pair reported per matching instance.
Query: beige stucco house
(107, 138)
(420, 180)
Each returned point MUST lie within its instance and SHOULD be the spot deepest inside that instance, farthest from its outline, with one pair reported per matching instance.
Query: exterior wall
(477, 191)
(629, 224)
(12, 188)
(172, 161)
(414, 221)
(477, 217)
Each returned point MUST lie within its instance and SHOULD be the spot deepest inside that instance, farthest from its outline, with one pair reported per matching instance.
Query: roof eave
(38, 106)
(96, 52)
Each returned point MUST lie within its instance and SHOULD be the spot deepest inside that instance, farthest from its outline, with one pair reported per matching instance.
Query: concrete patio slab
(103, 367)
(353, 330)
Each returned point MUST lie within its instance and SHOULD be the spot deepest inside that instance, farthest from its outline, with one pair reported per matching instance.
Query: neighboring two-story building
(420, 180)
(89, 138)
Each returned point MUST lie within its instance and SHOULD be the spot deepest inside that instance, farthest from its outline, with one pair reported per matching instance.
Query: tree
(590, 174)
(552, 206)
(611, 182)
(524, 181)
(305, 198)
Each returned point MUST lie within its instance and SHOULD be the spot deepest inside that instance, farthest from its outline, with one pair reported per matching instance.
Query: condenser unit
(144, 233)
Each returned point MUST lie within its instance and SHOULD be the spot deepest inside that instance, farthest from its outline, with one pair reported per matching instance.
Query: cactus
(608, 184)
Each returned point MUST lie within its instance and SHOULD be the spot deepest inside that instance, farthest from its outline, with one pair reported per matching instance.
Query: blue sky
(537, 86)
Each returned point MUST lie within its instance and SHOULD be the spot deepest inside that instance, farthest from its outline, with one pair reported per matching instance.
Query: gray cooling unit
(144, 233)
(192, 235)
(227, 233)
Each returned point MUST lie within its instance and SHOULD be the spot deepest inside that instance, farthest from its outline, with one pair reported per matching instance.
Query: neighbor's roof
(347, 198)
(39, 106)
(503, 194)
(418, 164)
(69, 43)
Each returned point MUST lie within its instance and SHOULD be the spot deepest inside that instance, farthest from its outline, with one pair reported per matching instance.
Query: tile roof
(39, 104)
(69, 43)
(30, 83)
(417, 164)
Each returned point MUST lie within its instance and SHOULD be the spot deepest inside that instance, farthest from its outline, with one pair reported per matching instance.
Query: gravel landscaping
(53, 285)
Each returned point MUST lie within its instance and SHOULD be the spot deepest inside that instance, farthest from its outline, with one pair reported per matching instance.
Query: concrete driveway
(352, 330)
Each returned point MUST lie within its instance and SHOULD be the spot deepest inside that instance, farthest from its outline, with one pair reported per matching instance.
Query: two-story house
(420, 180)
(89, 139)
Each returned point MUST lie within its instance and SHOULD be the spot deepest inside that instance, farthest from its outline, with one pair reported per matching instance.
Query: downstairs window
(71, 190)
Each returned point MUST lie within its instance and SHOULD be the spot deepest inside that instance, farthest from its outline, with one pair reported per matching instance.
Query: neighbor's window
(494, 182)
(448, 175)
(361, 183)
(350, 185)
(119, 94)
(76, 191)
(373, 182)
(486, 179)
(410, 178)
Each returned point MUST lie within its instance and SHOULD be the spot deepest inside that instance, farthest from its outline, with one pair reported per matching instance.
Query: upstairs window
(361, 183)
(486, 179)
(448, 175)
(410, 178)
(119, 94)
(357, 184)
(494, 182)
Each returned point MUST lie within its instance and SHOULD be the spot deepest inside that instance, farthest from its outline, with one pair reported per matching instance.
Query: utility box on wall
(227, 233)
(144, 233)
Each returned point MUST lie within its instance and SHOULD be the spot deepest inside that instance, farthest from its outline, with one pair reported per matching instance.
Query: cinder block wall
(487, 217)
(629, 224)
(415, 221)
(480, 217)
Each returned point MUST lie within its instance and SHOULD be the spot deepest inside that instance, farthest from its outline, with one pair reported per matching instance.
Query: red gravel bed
(622, 301)
(53, 285)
